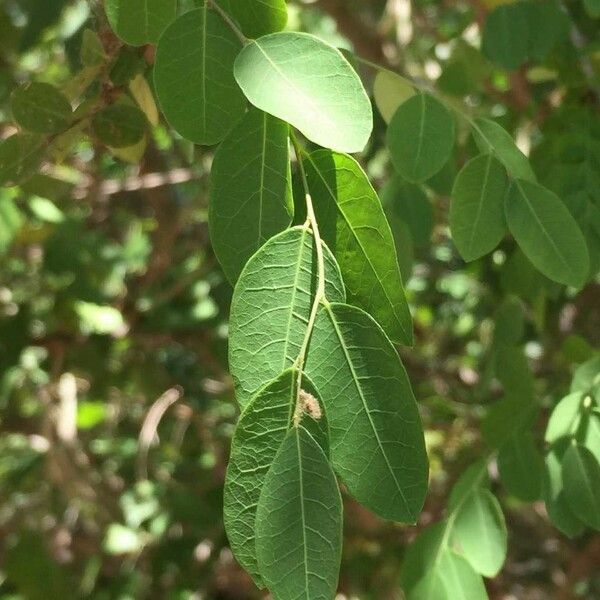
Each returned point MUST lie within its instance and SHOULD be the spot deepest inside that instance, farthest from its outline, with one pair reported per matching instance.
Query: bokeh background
(116, 409)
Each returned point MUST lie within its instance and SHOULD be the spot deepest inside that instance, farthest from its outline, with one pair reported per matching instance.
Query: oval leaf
(390, 90)
(250, 190)
(257, 17)
(20, 156)
(193, 77)
(271, 306)
(492, 138)
(565, 418)
(376, 436)
(547, 233)
(41, 108)
(521, 467)
(452, 578)
(477, 218)
(553, 493)
(309, 84)
(581, 478)
(299, 522)
(420, 138)
(140, 22)
(479, 532)
(258, 436)
(353, 225)
(120, 125)
(506, 34)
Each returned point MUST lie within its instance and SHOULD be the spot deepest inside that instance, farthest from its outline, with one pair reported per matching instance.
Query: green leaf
(451, 578)
(308, 83)
(420, 137)
(92, 51)
(41, 108)
(20, 156)
(120, 125)
(271, 306)
(586, 376)
(477, 217)
(521, 31)
(510, 414)
(258, 436)
(493, 138)
(250, 190)
(353, 225)
(409, 203)
(553, 493)
(299, 522)
(592, 8)
(521, 467)
(376, 436)
(11, 221)
(547, 233)
(479, 532)
(565, 418)
(509, 325)
(390, 90)
(514, 373)
(422, 553)
(257, 17)
(193, 76)
(140, 22)
(505, 36)
(581, 479)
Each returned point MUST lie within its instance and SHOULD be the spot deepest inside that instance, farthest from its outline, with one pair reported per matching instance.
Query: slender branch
(230, 22)
(311, 222)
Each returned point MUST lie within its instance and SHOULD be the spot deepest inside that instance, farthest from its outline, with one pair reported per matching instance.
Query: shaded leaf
(257, 17)
(299, 522)
(547, 233)
(376, 436)
(250, 190)
(140, 22)
(193, 76)
(493, 138)
(477, 218)
(420, 137)
(581, 479)
(120, 125)
(258, 436)
(20, 156)
(521, 467)
(352, 223)
(270, 308)
(41, 108)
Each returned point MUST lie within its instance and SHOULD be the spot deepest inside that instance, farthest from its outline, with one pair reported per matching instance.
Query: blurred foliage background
(116, 410)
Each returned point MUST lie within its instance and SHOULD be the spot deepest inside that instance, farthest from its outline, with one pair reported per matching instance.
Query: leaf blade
(354, 226)
(477, 220)
(270, 308)
(299, 516)
(259, 434)
(250, 190)
(369, 404)
(309, 84)
(193, 77)
(547, 233)
(420, 137)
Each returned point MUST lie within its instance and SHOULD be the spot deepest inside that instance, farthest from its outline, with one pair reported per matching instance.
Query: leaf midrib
(358, 241)
(355, 379)
(541, 225)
